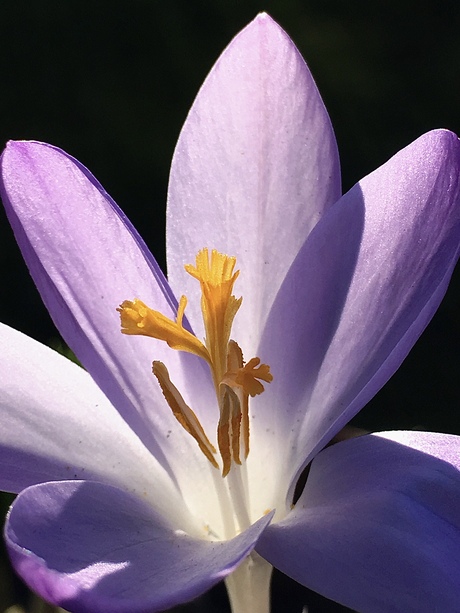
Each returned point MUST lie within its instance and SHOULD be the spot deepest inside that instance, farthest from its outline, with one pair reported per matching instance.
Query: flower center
(234, 380)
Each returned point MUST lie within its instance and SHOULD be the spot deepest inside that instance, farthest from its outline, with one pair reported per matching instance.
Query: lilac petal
(362, 290)
(93, 548)
(57, 424)
(255, 166)
(377, 527)
(85, 259)
(443, 446)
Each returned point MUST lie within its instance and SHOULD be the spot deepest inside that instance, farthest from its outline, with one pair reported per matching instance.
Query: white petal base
(248, 586)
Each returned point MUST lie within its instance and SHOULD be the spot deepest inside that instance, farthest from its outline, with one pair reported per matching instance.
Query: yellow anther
(182, 412)
(234, 381)
(234, 363)
(229, 428)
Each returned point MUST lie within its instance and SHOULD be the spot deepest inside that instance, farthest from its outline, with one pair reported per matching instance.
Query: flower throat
(234, 381)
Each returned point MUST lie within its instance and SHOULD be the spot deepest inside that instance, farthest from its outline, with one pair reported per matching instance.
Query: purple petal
(442, 446)
(86, 258)
(57, 424)
(377, 527)
(93, 548)
(255, 166)
(362, 290)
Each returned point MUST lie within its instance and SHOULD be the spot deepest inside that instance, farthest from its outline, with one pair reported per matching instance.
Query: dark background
(111, 82)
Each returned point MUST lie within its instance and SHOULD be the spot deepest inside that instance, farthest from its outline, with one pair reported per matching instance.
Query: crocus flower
(138, 492)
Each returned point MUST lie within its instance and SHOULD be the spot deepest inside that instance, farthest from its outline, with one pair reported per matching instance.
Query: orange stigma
(234, 381)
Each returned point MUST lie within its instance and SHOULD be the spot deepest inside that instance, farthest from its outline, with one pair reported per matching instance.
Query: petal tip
(21, 148)
(441, 138)
(263, 24)
(10, 147)
(17, 144)
(264, 18)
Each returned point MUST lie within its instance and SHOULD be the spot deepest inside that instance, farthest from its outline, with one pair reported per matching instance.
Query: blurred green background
(111, 83)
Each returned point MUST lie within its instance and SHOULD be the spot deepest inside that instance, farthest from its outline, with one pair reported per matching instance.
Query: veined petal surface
(92, 548)
(255, 166)
(363, 288)
(58, 425)
(377, 527)
(86, 258)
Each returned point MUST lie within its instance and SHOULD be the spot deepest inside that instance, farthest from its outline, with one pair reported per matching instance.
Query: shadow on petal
(93, 548)
(377, 527)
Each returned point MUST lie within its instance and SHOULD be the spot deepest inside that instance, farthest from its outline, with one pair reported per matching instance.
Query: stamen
(234, 381)
(234, 363)
(229, 427)
(182, 412)
(239, 382)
